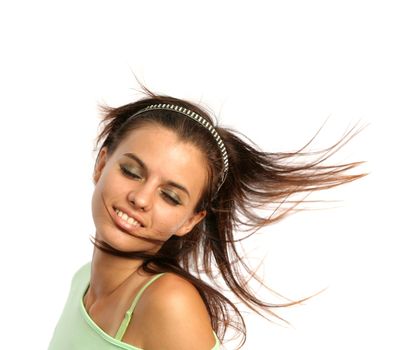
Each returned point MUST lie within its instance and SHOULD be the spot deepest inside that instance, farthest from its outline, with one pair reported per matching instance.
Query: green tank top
(76, 330)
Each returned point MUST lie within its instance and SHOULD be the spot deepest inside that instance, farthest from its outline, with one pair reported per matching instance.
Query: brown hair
(255, 180)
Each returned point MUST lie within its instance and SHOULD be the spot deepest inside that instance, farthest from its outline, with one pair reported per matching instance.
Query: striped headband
(201, 121)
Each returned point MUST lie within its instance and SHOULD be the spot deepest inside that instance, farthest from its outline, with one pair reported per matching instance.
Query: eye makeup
(134, 173)
(171, 198)
(143, 167)
(131, 172)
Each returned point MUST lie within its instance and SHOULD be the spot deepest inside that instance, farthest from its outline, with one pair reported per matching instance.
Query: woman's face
(147, 188)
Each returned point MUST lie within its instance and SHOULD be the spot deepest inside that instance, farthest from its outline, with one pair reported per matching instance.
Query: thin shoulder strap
(127, 318)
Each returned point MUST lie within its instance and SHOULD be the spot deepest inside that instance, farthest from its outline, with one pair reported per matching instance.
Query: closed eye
(170, 199)
(128, 173)
(165, 195)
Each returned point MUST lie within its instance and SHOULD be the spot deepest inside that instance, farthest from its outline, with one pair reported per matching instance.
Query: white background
(275, 70)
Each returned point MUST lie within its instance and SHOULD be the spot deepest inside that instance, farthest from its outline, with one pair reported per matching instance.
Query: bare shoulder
(176, 316)
(174, 291)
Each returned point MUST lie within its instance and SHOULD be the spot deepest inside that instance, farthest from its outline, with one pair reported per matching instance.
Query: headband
(202, 121)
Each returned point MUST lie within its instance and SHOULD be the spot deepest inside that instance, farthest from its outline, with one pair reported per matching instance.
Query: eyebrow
(143, 165)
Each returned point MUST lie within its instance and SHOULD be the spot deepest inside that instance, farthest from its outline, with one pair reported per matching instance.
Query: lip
(124, 224)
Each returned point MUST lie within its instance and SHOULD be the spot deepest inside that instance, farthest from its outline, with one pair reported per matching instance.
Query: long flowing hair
(255, 180)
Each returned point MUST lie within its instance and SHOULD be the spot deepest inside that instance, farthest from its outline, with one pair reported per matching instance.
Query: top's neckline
(100, 331)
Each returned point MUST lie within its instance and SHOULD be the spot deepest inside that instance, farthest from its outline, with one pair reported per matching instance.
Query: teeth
(128, 219)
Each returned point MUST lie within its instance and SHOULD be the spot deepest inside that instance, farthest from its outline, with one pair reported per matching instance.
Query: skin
(170, 313)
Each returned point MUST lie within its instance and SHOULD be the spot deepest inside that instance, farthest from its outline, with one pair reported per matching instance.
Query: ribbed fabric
(76, 330)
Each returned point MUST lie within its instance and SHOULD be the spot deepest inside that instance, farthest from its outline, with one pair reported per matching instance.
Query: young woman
(172, 190)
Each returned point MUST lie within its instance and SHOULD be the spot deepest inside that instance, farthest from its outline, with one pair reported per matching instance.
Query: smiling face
(148, 187)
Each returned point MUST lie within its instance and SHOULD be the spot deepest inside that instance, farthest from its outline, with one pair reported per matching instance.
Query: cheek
(109, 186)
(98, 209)
(101, 194)
(168, 220)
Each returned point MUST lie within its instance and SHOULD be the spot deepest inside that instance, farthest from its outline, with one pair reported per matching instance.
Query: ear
(100, 163)
(191, 222)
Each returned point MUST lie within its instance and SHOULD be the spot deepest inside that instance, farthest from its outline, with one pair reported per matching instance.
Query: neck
(109, 272)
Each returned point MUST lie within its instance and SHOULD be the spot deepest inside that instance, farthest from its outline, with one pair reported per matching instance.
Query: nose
(141, 197)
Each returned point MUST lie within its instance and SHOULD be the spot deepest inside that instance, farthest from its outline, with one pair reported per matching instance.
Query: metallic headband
(201, 121)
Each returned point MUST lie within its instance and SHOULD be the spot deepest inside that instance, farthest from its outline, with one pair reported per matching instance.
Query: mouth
(128, 220)
(132, 226)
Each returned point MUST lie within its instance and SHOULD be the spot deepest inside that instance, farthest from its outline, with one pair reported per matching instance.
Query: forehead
(166, 156)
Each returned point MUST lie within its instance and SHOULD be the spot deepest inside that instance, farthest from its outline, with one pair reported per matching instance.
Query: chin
(123, 241)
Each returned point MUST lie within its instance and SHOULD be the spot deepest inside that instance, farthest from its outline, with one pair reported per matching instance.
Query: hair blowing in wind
(256, 180)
